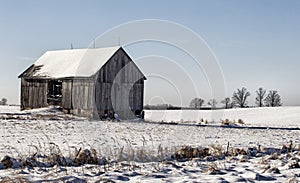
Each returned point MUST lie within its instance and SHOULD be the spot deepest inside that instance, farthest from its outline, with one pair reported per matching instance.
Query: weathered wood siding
(119, 86)
(79, 96)
(33, 93)
(137, 95)
(67, 94)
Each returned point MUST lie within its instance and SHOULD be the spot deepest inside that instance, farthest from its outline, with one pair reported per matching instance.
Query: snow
(9, 109)
(74, 62)
(141, 151)
(264, 116)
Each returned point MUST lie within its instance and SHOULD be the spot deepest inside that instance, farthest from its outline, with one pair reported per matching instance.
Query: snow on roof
(72, 63)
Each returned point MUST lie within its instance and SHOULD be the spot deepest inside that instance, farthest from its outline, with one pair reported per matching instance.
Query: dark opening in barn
(54, 92)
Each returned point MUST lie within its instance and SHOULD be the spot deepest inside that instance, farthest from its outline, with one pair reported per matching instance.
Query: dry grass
(241, 122)
(50, 155)
(19, 179)
(263, 161)
(293, 180)
(294, 164)
(7, 162)
(232, 122)
(213, 169)
(213, 151)
(189, 152)
(226, 122)
(218, 152)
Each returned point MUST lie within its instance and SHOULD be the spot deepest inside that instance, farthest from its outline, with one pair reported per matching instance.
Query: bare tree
(196, 103)
(273, 99)
(3, 101)
(212, 102)
(239, 97)
(259, 100)
(226, 102)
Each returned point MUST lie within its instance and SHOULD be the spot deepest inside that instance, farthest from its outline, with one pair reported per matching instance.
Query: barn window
(54, 93)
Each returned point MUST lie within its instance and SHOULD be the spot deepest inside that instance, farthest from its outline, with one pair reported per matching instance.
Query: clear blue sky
(256, 42)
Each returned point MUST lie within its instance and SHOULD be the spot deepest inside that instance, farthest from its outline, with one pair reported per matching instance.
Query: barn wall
(137, 96)
(33, 93)
(119, 87)
(78, 96)
(67, 95)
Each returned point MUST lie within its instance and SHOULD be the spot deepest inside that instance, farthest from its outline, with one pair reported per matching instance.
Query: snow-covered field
(45, 145)
(265, 116)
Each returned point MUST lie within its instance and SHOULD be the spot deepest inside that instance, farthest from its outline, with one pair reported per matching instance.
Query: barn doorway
(54, 92)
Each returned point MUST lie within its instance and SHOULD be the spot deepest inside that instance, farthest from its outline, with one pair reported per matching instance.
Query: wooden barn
(85, 82)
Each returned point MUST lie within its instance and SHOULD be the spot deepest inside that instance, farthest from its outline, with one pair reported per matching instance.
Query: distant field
(265, 116)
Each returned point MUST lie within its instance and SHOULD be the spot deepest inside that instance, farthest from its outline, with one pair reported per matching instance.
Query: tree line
(240, 99)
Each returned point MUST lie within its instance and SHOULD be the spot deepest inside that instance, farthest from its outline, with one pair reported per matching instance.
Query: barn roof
(70, 63)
